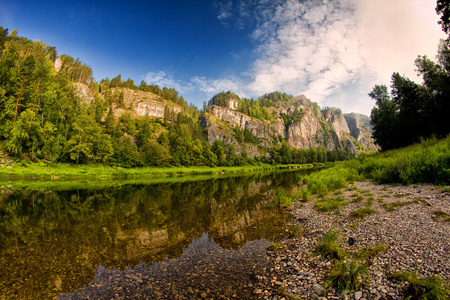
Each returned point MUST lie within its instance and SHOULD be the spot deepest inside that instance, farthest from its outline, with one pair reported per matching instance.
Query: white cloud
(334, 52)
(163, 79)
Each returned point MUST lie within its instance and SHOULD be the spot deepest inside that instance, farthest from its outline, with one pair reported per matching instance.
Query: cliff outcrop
(140, 104)
(298, 122)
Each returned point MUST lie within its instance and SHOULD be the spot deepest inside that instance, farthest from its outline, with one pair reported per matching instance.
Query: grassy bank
(64, 171)
(426, 162)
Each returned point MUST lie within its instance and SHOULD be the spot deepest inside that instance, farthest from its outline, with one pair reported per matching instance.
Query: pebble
(414, 240)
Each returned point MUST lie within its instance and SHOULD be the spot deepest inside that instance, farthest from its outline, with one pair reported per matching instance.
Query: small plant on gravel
(338, 192)
(328, 247)
(304, 194)
(369, 252)
(429, 288)
(393, 205)
(274, 246)
(347, 275)
(441, 214)
(370, 201)
(445, 189)
(355, 225)
(296, 231)
(362, 212)
(329, 204)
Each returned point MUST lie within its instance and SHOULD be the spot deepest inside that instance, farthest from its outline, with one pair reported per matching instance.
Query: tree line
(412, 111)
(43, 119)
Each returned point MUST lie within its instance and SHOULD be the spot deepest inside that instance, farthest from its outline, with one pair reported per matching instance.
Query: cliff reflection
(54, 240)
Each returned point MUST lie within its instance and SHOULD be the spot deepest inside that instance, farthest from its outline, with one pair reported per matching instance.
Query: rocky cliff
(141, 104)
(329, 127)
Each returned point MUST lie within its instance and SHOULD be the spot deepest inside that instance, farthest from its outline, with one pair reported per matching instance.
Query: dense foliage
(412, 111)
(43, 117)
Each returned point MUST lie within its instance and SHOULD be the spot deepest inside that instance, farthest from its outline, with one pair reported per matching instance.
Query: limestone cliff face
(141, 104)
(328, 128)
(361, 129)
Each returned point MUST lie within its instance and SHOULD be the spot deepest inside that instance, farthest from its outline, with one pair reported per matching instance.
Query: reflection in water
(53, 239)
(204, 270)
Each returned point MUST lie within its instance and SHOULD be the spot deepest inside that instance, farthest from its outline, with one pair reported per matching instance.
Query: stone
(257, 291)
(358, 295)
(318, 289)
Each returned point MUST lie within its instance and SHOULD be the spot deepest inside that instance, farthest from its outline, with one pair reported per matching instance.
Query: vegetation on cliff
(53, 111)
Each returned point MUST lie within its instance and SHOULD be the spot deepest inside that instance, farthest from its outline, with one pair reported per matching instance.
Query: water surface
(163, 238)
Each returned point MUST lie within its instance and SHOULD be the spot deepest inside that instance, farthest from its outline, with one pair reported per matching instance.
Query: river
(168, 237)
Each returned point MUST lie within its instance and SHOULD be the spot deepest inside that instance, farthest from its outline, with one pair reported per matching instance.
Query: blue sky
(332, 51)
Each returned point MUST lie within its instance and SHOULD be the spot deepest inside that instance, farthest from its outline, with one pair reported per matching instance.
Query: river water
(171, 237)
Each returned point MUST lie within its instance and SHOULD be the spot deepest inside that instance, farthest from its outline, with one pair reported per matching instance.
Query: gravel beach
(411, 222)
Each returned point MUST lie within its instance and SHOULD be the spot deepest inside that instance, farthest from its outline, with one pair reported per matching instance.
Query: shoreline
(69, 171)
(404, 224)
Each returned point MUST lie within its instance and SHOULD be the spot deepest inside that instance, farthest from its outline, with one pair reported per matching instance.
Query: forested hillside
(52, 110)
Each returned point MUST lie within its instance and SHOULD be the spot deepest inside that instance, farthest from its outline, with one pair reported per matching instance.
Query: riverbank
(52, 171)
(395, 229)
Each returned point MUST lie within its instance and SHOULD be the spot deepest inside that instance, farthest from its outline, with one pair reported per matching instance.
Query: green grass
(296, 231)
(347, 275)
(429, 288)
(283, 198)
(369, 252)
(328, 247)
(393, 205)
(439, 214)
(425, 162)
(362, 212)
(66, 171)
(274, 247)
(329, 204)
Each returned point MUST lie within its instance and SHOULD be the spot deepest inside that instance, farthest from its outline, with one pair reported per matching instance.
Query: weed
(355, 225)
(347, 275)
(423, 288)
(274, 246)
(338, 192)
(282, 292)
(445, 189)
(283, 199)
(440, 214)
(328, 247)
(362, 212)
(399, 195)
(296, 231)
(369, 252)
(393, 205)
(370, 201)
(329, 204)
(304, 194)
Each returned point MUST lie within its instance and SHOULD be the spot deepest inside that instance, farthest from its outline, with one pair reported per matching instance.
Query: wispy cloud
(332, 51)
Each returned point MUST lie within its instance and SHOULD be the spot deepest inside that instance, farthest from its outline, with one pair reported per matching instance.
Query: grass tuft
(362, 212)
(328, 247)
(429, 288)
(347, 275)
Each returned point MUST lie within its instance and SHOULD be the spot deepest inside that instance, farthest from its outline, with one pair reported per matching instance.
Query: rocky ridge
(329, 128)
